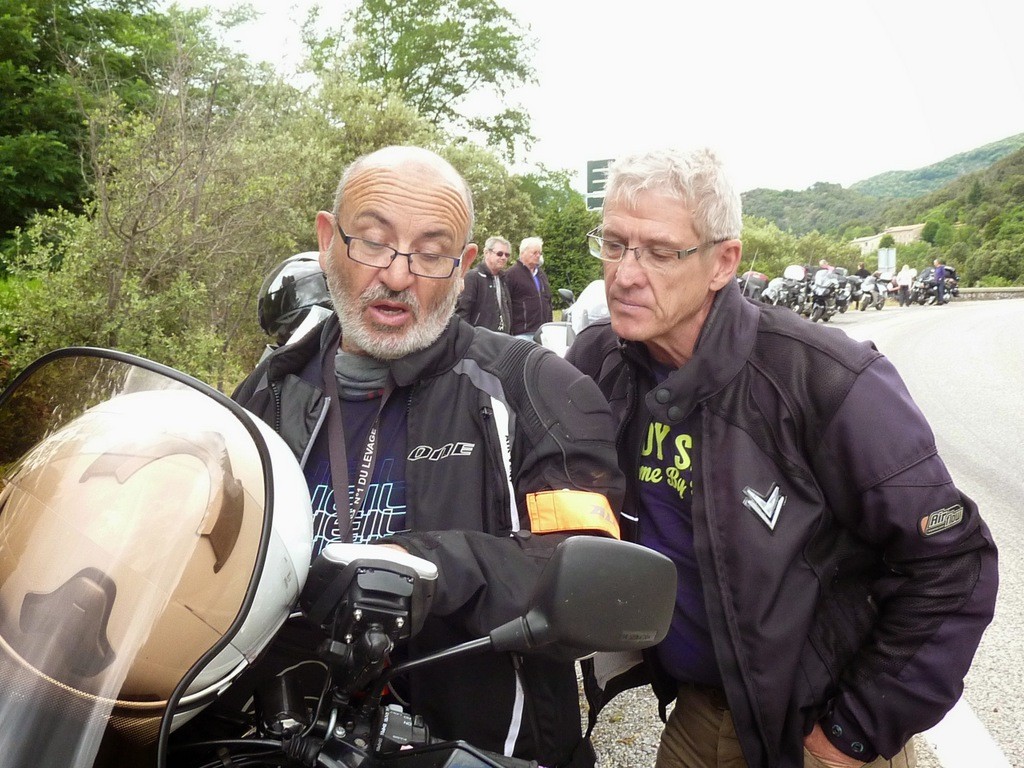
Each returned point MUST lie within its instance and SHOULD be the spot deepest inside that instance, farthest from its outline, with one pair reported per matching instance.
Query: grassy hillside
(930, 178)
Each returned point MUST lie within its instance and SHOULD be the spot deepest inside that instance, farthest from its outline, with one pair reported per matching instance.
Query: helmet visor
(131, 520)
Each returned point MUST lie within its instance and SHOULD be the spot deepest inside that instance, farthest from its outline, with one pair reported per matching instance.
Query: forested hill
(930, 178)
(826, 208)
(861, 208)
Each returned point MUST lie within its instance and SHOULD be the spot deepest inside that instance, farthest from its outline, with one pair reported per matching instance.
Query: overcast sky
(789, 92)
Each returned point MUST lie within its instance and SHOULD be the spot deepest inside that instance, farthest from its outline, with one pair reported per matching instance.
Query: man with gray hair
(529, 289)
(484, 301)
(833, 582)
(473, 450)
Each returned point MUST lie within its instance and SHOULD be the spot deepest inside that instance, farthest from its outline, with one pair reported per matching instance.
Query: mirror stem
(463, 649)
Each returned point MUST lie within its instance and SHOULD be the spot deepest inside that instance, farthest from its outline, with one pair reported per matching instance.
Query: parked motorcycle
(850, 289)
(590, 307)
(752, 284)
(558, 335)
(157, 537)
(790, 290)
(924, 289)
(773, 292)
(874, 291)
(801, 284)
(824, 291)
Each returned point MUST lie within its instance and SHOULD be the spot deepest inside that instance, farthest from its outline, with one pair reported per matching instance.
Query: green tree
(887, 241)
(929, 231)
(944, 235)
(435, 54)
(501, 207)
(975, 195)
(766, 248)
(918, 255)
(193, 199)
(854, 229)
(60, 58)
(567, 259)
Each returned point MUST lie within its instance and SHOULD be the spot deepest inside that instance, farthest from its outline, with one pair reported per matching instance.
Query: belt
(713, 694)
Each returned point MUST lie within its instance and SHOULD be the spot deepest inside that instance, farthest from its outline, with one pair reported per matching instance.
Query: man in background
(484, 301)
(529, 289)
(940, 281)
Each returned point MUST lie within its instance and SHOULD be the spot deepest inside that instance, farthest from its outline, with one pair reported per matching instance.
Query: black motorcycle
(849, 292)
(791, 290)
(367, 600)
(925, 289)
(752, 284)
(824, 292)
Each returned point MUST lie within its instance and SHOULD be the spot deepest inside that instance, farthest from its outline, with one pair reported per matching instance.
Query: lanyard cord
(338, 454)
(501, 309)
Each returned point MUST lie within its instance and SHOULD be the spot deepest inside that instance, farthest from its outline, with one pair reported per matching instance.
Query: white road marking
(961, 741)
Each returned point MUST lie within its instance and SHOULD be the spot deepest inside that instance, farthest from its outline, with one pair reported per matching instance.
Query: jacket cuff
(848, 738)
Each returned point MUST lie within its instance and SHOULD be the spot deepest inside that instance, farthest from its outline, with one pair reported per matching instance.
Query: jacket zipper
(275, 392)
(496, 459)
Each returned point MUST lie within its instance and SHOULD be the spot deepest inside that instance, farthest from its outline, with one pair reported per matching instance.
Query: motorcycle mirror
(567, 296)
(596, 594)
(557, 336)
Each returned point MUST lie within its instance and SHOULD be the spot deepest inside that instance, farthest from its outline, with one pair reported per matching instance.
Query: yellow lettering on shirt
(675, 475)
(682, 459)
(656, 434)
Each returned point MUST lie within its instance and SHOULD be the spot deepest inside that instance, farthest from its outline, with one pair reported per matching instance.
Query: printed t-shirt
(382, 511)
(667, 475)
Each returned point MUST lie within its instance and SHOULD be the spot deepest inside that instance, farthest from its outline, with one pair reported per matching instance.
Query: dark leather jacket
(862, 605)
(463, 516)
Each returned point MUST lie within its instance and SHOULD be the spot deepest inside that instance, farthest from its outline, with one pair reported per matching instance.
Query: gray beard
(385, 342)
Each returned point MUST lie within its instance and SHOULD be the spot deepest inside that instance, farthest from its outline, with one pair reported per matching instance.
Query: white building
(909, 233)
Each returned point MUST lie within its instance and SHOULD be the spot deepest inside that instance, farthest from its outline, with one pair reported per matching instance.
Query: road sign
(886, 259)
(597, 177)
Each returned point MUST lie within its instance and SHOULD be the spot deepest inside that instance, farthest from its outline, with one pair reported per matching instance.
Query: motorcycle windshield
(794, 272)
(824, 278)
(131, 518)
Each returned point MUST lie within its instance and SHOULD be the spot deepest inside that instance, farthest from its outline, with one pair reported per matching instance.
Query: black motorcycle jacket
(530, 308)
(847, 580)
(477, 502)
(484, 301)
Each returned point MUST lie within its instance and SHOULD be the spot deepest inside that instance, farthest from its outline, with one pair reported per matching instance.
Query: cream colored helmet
(153, 538)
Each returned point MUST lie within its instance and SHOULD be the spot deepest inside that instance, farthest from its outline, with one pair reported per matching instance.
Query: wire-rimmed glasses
(658, 258)
(372, 254)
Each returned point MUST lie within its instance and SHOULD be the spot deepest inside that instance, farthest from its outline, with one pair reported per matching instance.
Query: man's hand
(817, 743)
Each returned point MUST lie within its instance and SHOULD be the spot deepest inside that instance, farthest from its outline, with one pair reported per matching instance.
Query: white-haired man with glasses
(474, 450)
(484, 301)
(529, 290)
(833, 582)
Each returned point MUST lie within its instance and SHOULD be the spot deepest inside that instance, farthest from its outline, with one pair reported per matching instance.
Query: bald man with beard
(455, 434)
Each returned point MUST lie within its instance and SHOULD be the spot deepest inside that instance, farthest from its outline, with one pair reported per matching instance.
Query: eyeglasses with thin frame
(372, 254)
(657, 258)
(502, 254)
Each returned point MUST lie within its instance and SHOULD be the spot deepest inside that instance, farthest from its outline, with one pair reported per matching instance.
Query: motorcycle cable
(383, 680)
